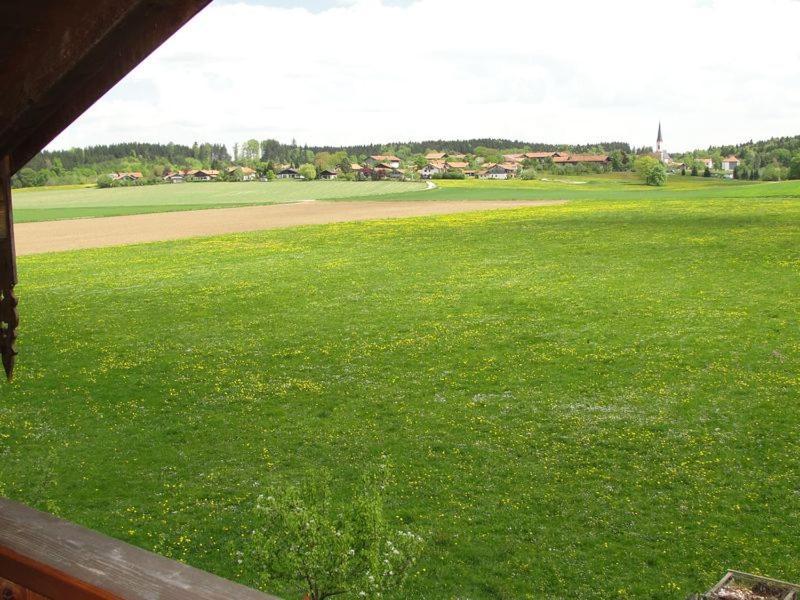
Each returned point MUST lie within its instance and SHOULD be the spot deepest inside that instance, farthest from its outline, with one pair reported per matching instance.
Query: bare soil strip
(59, 236)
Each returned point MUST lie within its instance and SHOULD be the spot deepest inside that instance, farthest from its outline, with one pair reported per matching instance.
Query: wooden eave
(57, 58)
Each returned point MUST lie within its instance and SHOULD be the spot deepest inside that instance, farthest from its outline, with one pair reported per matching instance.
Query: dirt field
(58, 236)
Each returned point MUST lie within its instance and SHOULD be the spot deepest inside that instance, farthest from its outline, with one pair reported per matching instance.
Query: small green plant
(331, 549)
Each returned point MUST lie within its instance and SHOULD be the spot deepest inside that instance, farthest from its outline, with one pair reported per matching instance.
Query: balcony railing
(46, 558)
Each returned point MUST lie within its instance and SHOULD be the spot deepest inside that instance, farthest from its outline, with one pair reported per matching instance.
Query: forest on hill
(774, 159)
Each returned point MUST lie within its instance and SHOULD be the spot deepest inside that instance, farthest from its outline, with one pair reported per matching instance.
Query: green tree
(651, 171)
(330, 550)
(707, 172)
(251, 150)
(104, 181)
(308, 171)
(794, 167)
(774, 172)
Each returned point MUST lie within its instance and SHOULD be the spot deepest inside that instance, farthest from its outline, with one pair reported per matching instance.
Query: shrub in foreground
(332, 550)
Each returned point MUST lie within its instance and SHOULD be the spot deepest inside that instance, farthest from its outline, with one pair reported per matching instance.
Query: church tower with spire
(662, 154)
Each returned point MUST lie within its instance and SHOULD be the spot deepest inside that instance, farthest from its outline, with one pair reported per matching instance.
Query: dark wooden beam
(57, 58)
(63, 561)
(9, 318)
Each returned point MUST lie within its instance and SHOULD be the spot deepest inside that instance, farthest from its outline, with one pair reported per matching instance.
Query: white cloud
(354, 71)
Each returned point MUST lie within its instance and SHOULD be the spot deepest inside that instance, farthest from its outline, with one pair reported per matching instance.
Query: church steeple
(660, 139)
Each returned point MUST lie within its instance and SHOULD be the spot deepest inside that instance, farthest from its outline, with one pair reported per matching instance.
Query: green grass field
(72, 202)
(594, 400)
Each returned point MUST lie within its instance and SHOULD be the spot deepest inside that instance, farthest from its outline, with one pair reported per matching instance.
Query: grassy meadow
(73, 202)
(593, 400)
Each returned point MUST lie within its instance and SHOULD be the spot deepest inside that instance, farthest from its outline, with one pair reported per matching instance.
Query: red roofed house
(248, 174)
(391, 161)
(133, 176)
(203, 174)
(730, 163)
(540, 155)
(498, 171)
(436, 156)
(175, 177)
(434, 167)
(707, 162)
(575, 159)
(329, 174)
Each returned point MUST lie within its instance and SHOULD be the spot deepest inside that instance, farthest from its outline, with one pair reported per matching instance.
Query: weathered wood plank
(61, 561)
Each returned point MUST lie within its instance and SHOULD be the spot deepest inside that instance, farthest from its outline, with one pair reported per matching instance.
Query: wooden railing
(46, 558)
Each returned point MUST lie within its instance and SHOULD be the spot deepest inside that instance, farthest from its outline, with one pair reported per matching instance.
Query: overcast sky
(342, 72)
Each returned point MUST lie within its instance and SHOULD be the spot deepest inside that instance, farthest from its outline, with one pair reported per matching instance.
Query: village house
(436, 156)
(392, 161)
(329, 174)
(132, 176)
(203, 174)
(541, 156)
(383, 171)
(248, 174)
(576, 159)
(434, 167)
(707, 162)
(358, 171)
(498, 171)
(456, 165)
(289, 173)
(175, 177)
(730, 163)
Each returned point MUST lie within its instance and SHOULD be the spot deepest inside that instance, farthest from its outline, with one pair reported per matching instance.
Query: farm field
(44, 204)
(603, 187)
(592, 400)
(47, 204)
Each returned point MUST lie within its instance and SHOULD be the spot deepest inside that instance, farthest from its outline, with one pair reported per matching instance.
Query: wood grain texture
(61, 560)
(9, 316)
(11, 591)
(58, 58)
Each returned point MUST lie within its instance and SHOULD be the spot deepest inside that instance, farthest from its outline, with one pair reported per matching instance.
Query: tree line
(774, 159)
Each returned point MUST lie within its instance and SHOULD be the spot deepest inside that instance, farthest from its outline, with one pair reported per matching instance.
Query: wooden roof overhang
(57, 58)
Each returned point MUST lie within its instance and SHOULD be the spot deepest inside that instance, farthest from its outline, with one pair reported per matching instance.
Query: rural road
(58, 236)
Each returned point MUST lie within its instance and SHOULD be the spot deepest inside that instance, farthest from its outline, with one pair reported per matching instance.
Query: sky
(341, 72)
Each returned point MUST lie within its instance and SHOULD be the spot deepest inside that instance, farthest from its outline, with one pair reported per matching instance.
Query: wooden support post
(9, 318)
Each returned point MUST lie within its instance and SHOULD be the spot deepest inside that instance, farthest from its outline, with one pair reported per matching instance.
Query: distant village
(389, 167)
(446, 165)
